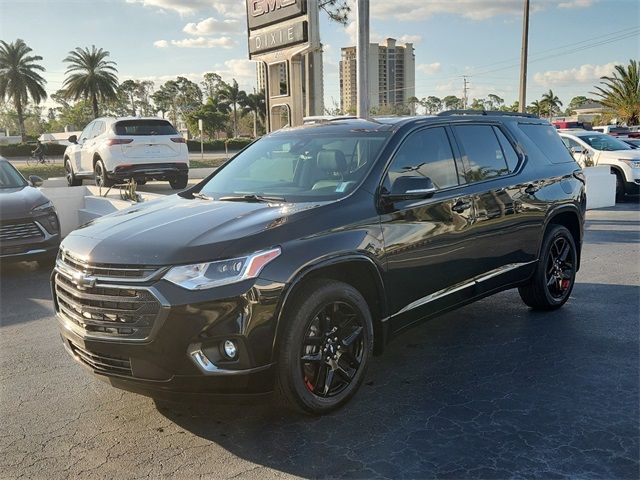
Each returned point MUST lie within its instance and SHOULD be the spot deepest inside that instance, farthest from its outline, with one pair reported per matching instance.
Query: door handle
(461, 205)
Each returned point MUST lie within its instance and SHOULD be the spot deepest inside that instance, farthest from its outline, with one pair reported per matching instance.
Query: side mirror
(35, 181)
(410, 188)
(73, 139)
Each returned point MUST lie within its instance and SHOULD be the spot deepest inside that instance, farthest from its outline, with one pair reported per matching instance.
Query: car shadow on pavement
(25, 292)
(492, 390)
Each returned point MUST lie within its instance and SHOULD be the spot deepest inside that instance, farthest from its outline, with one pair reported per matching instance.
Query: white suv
(110, 150)
(600, 149)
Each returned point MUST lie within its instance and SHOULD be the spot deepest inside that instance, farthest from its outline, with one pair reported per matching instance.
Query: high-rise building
(392, 75)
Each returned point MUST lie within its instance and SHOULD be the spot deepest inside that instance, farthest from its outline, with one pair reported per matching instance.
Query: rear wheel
(327, 342)
(72, 180)
(100, 175)
(179, 183)
(553, 280)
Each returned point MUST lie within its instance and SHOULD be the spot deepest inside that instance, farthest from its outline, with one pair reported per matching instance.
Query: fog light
(230, 349)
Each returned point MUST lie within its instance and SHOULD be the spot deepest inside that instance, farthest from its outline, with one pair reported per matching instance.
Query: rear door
(151, 141)
(505, 237)
(428, 242)
(89, 147)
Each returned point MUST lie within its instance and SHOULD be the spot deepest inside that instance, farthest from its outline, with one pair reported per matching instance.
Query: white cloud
(410, 39)
(212, 26)
(576, 4)
(199, 42)
(228, 8)
(583, 74)
(375, 37)
(429, 68)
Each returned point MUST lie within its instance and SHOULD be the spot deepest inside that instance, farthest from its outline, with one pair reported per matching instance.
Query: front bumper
(166, 361)
(35, 248)
(149, 171)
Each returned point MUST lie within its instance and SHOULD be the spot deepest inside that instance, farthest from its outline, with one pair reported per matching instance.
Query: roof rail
(449, 113)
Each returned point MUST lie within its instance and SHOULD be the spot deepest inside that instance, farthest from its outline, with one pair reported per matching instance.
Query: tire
(555, 265)
(179, 183)
(100, 175)
(620, 190)
(323, 383)
(31, 160)
(72, 180)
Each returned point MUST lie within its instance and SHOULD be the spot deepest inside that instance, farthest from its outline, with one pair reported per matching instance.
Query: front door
(89, 146)
(427, 241)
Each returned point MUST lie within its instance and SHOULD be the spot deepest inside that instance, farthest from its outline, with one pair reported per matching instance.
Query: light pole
(524, 59)
(362, 52)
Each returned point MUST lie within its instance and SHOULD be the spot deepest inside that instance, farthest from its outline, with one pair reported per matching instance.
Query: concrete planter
(601, 187)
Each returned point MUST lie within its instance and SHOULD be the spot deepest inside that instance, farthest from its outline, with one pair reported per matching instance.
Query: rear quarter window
(548, 142)
(144, 127)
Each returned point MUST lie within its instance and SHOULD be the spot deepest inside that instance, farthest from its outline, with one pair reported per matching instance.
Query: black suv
(308, 251)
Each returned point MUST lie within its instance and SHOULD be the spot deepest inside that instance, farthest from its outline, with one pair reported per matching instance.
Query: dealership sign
(276, 25)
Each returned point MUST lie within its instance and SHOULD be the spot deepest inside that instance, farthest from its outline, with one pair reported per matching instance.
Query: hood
(18, 202)
(176, 230)
(625, 154)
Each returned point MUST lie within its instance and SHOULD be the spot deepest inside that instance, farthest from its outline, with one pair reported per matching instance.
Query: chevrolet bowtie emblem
(83, 280)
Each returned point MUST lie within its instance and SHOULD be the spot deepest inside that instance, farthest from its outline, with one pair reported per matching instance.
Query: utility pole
(465, 92)
(362, 53)
(524, 59)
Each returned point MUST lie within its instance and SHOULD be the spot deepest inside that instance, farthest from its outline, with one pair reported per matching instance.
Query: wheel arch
(359, 271)
(96, 158)
(570, 218)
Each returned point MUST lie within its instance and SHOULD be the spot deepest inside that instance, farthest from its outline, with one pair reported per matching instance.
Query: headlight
(631, 163)
(201, 276)
(45, 206)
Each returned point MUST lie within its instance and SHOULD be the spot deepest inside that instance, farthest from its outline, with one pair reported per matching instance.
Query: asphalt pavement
(492, 390)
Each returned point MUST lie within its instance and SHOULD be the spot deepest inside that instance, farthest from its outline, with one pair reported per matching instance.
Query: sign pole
(362, 52)
(200, 126)
(525, 52)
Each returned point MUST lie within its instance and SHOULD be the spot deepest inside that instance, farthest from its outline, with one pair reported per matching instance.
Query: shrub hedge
(25, 149)
(218, 145)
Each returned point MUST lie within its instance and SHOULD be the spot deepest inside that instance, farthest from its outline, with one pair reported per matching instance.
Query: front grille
(108, 271)
(107, 311)
(102, 363)
(19, 231)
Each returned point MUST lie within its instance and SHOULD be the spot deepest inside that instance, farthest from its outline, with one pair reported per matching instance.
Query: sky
(572, 42)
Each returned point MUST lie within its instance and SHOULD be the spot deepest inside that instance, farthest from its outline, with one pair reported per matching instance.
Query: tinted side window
(426, 153)
(548, 141)
(85, 135)
(98, 129)
(482, 152)
(509, 153)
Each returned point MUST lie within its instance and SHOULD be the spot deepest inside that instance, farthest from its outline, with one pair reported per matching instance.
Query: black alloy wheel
(101, 178)
(327, 340)
(72, 180)
(554, 278)
(332, 349)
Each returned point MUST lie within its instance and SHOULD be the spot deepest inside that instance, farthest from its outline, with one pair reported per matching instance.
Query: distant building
(585, 113)
(392, 75)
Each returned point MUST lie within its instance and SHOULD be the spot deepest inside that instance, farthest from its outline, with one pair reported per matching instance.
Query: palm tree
(256, 104)
(91, 76)
(551, 103)
(621, 93)
(19, 78)
(536, 107)
(232, 94)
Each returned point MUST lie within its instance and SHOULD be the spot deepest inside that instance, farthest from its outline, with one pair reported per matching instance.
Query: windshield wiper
(201, 196)
(252, 198)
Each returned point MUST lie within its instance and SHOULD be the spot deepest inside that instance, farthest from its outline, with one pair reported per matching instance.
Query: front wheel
(179, 183)
(620, 191)
(555, 275)
(326, 344)
(72, 180)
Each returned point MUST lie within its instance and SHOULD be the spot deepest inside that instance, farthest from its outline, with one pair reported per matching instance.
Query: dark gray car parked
(29, 226)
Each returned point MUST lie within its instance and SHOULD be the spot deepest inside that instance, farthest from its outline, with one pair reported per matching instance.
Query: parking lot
(492, 390)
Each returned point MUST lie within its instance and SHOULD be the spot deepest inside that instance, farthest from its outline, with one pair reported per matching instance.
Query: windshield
(299, 166)
(9, 176)
(603, 142)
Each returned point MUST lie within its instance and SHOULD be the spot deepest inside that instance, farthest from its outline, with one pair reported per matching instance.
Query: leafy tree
(211, 85)
(413, 103)
(432, 105)
(164, 99)
(551, 103)
(178, 98)
(235, 97)
(514, 107)
(478, 104)
(494, 102)
(91, 75)
(620, 93)
(256, 104)
(451, 102)
(73, 116)
(213, 116)
(19, 78)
